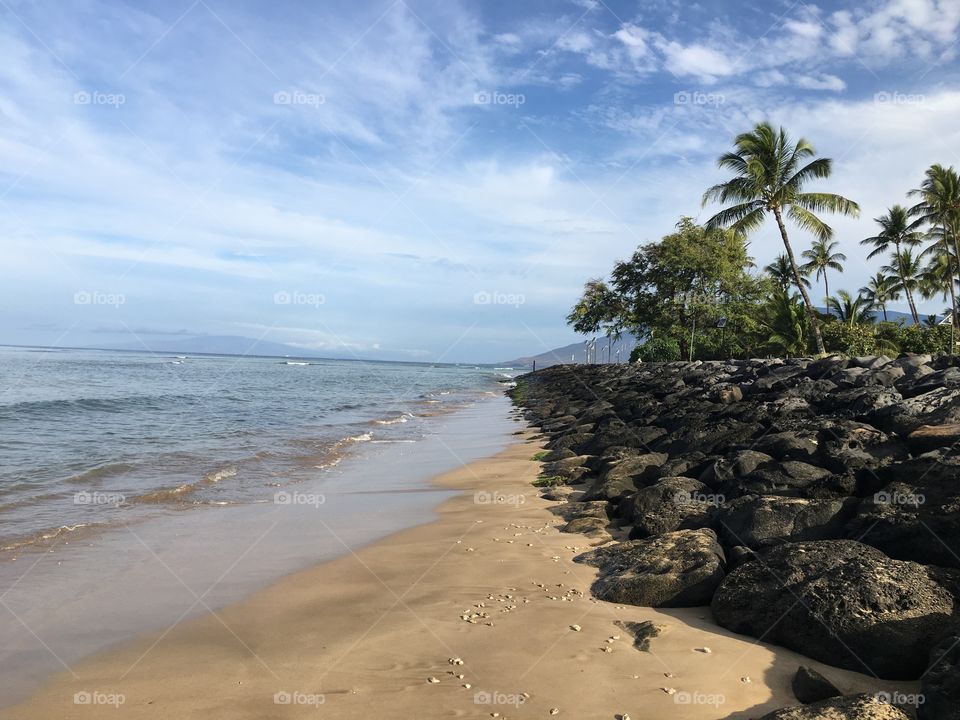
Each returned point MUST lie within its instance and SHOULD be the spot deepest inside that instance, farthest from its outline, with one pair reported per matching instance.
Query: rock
(848, 446)
(840, 602)
(940, 687)
(809, 686)
(916, 513)
(626, 476)
(727, 395)
(738, 555)
(676, 569)
(930, 437)
(734, 465)
(589, 526)
(571, 469)
(851, 707)
(670, 504)
(787, 445)
(791, 478)
(557, 494)
(762, 521)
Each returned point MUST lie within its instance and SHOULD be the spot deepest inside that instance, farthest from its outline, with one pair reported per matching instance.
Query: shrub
(657, 350)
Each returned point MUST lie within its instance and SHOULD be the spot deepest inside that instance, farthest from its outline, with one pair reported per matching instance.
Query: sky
(420, 180)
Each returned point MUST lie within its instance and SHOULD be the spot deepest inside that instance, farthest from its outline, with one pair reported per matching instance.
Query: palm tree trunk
(956, 250)
(826, 285)
(811, 313)
(884, 308)
(906, 289)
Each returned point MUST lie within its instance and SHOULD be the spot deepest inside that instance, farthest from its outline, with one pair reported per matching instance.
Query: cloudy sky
(418, 179)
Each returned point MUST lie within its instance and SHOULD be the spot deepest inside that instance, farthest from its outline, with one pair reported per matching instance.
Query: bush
(657, 350)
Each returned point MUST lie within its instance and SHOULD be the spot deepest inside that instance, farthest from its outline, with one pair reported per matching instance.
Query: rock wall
(814, 504)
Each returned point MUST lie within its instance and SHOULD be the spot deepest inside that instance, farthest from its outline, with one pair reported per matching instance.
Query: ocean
(138, 490)
(92, 438)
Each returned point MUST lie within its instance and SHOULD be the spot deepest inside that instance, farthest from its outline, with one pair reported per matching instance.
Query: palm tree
(782, 274)
(939, 207)
(880, 290)
(898, 232)
(906, 272)
(850, 310)
(820, 258)
(770, 173)
(784, 317)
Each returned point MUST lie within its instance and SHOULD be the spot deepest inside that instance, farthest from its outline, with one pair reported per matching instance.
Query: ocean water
(94, 438)
(138, 491)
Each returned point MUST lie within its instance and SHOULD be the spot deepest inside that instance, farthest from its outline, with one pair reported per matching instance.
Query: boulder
(676, 569)
(762, 521)
(734, 465)
(589, 526)
(940, 687)
(839, 602)
(787, 445)
(851, 707)
(916, 513)
(791, 478)
(809, 686)
(670, 504)
(931, 437)
(625, 476)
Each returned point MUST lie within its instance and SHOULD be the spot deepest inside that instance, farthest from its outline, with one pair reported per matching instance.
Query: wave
(405, 417)
(336, 453)
(47, 535)
(88, 404)
(100, 471)
(177, 493)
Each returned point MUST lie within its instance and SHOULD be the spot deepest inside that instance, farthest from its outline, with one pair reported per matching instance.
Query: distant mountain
(576, 353)
(215, 345)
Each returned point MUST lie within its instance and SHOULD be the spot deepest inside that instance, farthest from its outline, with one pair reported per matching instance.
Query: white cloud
(823, 82)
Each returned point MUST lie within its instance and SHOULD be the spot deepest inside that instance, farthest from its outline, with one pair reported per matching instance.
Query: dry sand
(366, 633)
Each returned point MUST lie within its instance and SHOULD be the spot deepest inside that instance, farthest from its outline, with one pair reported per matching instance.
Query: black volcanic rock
(839, 602)
(676, 569)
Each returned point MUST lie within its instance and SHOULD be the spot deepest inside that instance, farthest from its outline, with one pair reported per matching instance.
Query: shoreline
(362, 634)
(83, 595)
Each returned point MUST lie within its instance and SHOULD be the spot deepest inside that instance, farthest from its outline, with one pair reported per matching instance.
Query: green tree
(686, 282)
(897, 232)
(880, 290)
(850, 310)
(820, 258)
(785, 320)
(939, 207)
(771, 171)
(782, 274)
(599, 308)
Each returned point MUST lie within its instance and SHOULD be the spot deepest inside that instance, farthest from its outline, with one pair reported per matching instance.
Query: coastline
(363, 633)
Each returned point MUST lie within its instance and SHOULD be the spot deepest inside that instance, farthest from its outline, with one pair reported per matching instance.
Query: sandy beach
(481, 613)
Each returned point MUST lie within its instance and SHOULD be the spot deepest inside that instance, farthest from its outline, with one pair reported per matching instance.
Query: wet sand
(381, 632)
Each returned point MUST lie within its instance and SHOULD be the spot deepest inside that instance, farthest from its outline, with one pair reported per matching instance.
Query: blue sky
(419, 180)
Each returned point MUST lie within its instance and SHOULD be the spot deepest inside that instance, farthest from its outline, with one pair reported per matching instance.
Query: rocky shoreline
(813, 504)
